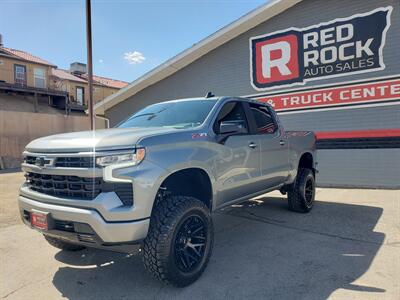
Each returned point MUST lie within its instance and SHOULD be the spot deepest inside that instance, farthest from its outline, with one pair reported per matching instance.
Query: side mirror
(231, 127)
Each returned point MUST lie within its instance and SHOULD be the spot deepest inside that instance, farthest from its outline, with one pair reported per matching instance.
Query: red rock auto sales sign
(336, 48)
(378, 92)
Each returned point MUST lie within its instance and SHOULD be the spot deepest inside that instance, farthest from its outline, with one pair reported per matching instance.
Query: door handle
(252, 145)
(282, 142)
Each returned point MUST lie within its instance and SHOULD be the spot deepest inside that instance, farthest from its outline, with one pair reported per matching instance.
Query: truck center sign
(381, 91)
(336, 48)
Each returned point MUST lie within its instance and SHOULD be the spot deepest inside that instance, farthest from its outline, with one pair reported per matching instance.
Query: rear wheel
(60, 244)
(302, 194)
(180, 239)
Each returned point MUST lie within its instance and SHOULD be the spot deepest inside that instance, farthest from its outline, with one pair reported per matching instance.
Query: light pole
(89, 60)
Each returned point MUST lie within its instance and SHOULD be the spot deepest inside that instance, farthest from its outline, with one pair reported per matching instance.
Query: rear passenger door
(274, 161)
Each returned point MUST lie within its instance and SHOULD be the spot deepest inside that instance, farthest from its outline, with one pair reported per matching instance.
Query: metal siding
(369, 168)
(380, 117)
(226, 71)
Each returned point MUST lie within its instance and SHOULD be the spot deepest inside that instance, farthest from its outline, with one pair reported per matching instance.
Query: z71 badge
(199, 135)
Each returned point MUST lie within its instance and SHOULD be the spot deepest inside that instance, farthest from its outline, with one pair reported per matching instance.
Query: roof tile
(64, 74)
(113, 83)
(27, 56)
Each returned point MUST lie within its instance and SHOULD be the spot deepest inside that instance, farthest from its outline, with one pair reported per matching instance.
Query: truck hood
(83, 141)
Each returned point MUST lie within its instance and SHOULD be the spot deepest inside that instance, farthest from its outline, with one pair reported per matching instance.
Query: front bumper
(106, 232)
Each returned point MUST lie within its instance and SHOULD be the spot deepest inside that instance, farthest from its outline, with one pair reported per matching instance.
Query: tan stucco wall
(101, 92)
(7, 70)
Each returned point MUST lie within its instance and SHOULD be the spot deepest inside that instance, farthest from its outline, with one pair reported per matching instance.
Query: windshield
(179, 114)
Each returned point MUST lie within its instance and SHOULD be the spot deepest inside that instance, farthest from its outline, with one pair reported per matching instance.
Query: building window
(80, 95)
(40, 78)
(20, 74)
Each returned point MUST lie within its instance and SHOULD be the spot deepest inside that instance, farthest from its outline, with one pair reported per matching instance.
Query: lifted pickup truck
(153, 181)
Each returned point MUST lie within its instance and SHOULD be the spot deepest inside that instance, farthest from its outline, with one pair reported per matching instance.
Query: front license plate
(39, 220)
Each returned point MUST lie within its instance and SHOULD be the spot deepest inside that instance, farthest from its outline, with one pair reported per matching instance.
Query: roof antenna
(209, 95)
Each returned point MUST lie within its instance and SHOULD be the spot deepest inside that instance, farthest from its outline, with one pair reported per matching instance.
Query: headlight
(135, 158)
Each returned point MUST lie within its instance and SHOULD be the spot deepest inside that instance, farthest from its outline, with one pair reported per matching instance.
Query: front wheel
(302, 194)
(180, 239)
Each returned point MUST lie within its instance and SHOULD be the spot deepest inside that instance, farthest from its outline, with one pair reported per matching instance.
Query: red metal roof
(26, 56)
(118, 84)
(66, 75)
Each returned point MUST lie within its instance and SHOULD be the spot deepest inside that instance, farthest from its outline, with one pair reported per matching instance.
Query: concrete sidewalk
(348, 247)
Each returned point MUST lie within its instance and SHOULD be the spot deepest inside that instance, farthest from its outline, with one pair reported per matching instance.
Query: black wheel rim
(190, 243)
(309, 191)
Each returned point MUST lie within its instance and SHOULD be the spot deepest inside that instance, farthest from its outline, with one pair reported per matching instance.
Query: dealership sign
(336, 48)
(378, 92)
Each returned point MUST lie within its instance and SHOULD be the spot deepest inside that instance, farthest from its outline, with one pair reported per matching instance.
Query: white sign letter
(327, 36)
(280, 63)
(310, 38)
(360, 48)
(311, 57)
(340, 34)
(342, 48)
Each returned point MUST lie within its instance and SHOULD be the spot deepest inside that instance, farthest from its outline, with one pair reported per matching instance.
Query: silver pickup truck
(153, 181)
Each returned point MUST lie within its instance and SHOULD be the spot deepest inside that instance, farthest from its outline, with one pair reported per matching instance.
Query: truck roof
(216, 98)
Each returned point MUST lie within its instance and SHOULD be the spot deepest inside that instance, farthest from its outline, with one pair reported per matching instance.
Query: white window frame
(17, 75)
(39, 74)
(82, 100)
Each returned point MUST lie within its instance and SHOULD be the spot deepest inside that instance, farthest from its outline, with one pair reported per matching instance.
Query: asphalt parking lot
(348, 247)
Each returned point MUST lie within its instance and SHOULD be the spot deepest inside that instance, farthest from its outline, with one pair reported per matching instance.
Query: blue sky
(129, 37)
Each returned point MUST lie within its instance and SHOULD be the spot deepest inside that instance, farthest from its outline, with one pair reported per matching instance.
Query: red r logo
(277, 59)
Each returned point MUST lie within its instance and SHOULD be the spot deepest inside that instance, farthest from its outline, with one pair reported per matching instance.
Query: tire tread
(295, 198)
(156, 246)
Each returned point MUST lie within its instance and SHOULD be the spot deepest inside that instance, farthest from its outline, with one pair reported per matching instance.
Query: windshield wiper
(151, 115)
(183, 125)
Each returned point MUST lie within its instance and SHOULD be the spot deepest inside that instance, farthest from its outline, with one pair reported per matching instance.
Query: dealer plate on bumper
(39, 220)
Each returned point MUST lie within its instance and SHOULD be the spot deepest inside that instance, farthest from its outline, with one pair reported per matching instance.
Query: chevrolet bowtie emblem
(42, 161)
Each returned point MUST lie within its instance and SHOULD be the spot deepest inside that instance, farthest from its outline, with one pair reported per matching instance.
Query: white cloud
(101, 61)
(134, 57)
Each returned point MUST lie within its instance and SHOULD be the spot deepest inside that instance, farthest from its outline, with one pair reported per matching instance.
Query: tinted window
(177, 114)
(264, 121)
(231, 112)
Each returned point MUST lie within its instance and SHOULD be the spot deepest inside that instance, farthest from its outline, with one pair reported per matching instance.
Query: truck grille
(67, 162)
(75, 162)
(64, 186)
(80, 188)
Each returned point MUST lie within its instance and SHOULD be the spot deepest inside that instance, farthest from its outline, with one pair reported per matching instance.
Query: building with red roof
(26, 74)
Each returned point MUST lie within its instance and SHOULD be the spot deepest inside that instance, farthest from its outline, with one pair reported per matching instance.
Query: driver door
(238, 164)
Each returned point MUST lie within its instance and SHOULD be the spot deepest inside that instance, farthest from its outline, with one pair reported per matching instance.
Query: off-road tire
(159, 248)
(297, 199)
(62, 245)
